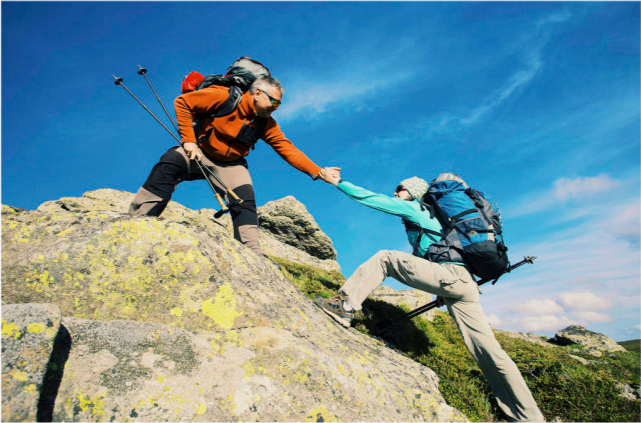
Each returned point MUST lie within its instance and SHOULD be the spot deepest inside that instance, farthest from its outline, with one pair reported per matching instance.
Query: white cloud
(543, 323)
(538, 307)
(584, 193)
(584, 301)
(592, 316)
(569, 189)
(494, 320)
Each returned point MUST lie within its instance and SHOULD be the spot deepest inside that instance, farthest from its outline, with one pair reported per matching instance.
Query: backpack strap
(226, 108)
(411, 226)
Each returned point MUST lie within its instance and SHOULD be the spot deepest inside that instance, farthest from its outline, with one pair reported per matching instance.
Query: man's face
(266, 101)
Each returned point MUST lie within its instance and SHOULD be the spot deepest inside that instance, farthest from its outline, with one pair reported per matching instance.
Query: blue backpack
(472, 227)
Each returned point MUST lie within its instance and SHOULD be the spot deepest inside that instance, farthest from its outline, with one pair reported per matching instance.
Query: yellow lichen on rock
(321, 414)
(36, 327)
(19, 375)
(223, 309)
(10, 329)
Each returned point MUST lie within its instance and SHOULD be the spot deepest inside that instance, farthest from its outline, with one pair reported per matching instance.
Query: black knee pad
(245, 213)
(170, 170)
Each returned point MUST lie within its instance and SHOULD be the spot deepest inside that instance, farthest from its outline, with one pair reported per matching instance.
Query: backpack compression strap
(228, 106)
(411, 226)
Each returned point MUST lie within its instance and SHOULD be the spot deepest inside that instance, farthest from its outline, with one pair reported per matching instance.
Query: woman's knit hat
(417, 187)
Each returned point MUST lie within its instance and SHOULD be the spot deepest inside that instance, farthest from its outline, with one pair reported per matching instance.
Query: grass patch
(633, 345)
(562, 386)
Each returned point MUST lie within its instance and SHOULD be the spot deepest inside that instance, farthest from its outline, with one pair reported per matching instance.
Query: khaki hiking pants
(461, 294)
(174, 167)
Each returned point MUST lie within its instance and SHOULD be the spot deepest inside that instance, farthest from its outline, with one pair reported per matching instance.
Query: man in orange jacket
(222, 149)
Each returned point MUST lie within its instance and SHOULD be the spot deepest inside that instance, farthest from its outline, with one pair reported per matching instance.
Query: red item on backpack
(192, 81)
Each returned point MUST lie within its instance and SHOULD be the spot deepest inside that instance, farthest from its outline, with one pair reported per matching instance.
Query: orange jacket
(221, 146)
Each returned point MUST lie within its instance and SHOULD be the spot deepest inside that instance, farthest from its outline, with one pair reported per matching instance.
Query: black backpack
(239, 77)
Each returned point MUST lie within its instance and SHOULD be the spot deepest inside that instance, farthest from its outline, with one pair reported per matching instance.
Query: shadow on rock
(53, 377)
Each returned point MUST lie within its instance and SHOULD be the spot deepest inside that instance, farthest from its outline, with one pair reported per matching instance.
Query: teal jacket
(408, 210)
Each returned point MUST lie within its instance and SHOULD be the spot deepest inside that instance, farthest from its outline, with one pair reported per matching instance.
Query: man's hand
(193, 151)
(331, 175)
(440, 302)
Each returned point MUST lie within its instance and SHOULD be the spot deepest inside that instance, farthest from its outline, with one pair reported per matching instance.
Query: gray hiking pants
(175, 167)
(461, 294)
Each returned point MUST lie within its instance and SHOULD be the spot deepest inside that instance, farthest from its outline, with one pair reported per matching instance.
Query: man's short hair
(266, 81)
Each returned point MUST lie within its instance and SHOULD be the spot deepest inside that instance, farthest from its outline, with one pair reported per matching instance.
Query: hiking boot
(335, 308)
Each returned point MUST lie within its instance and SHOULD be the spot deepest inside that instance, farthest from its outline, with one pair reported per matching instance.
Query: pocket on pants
(408, 267)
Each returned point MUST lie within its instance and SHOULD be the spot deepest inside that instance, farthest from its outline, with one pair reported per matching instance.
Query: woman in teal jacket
(451, 282)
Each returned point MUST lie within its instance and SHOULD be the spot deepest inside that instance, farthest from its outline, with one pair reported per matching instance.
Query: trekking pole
(236, 200)
(387, 324)
(224, 209)
(143, 72)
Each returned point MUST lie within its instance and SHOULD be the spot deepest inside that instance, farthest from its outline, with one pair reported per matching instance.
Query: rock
(630, 392)
(289, 222)
(530, 337)
(121, 370)
(412, 298)
(28, 333)
(142, 296)
(307, 246)
(582, 336)
(581, 359)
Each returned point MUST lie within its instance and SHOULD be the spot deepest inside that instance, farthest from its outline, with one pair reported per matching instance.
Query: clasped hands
(331, 175)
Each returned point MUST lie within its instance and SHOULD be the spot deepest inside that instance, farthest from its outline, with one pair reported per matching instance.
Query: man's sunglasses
(275, 103)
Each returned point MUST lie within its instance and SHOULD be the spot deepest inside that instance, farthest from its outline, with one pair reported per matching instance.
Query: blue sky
(536, 104)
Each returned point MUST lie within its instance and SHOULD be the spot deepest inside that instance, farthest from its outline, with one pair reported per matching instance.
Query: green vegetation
(563, 387)
(632, 345)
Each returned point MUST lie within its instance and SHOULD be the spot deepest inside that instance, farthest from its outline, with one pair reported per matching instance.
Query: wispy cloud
(592, 316)
(353, 79)
(581, 191)
(538, 307)
(548, 322)
(586, 274)
(446, 123)
(584, 301)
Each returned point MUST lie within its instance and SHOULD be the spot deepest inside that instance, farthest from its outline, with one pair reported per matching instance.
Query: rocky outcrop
(289, 222)
(412, 298)
(310, 245)
(587, 338)
(170, 319)
(28, 333)
(530, 337)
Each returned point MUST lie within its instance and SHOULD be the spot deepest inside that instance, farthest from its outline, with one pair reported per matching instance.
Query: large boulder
(412, 298)
(289, 221)
(587, 338)
(28, 334)
(155, 305)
